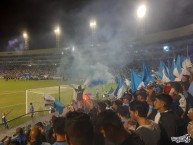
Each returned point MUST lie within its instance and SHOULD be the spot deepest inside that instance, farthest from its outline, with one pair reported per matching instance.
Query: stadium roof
(31, 52)
(174, 34)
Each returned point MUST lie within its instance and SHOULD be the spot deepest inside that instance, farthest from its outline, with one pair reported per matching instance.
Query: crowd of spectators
(27, 72)
(158, 114)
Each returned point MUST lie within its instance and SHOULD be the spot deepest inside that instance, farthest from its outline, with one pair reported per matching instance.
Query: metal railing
(23, 118)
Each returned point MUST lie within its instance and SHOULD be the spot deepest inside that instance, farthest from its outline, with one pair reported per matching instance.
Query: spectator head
(40, 125)
(142, 96)
(111, 127)
(126, 98)
(59, 128)
(116, 104)
(163, 102)
(138, 109)
(101, 106)
(79, 129)
(151, 98)
(109, 124)
(185, 78)
(34, 134)
(122, 111)
(177, 87)
(108, 103)
(19, 131)
(185, 85)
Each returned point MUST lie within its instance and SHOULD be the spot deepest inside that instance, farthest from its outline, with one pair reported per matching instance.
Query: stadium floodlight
(73, 49)
(93, 24)
(57, 32)
(25, 37)
(141, 11)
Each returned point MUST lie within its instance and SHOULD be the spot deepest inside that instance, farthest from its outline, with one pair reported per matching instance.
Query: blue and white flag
(170, 69)
(178, 68)
(58, 106)
(121, 91)
(163, 73)
(186, 63)
(111, 91)
(146, 75)
(136, 81)
(120, 83)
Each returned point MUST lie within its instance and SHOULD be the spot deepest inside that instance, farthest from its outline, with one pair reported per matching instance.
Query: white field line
(12, 105)
(11, 92)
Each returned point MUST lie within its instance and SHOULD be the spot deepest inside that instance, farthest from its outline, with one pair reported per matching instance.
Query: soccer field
(13, 94)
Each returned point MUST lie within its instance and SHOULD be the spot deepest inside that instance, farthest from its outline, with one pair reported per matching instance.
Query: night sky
(115, 18)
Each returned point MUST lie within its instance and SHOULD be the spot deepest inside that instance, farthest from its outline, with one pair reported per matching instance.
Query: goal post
(36, 96)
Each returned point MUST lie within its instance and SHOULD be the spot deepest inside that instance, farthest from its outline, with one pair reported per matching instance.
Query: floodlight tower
(93, 26)
(141, 13)
(26, 40)
(57, 33)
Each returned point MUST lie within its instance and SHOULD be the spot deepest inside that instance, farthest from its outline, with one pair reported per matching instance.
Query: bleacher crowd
(158, 114)
(27, 72)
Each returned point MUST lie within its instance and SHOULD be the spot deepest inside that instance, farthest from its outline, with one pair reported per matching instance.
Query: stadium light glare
(93, 24)
(141, 11)
(26, 40)
(73, 49)
(57, 31)
(25, 36)
(166, 48)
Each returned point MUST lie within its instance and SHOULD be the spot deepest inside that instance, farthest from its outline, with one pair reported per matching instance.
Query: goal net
(36, 96)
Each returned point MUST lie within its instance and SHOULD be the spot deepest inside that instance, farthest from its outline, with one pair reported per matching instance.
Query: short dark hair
(143, 95)
(187, 77)
(185, 85)
(118, 102)
(141, 107)
(79, 128)
(59, 125)
(123, 111)
(102, 106)
(108, 119)
(108, 102)
(39, 124)
(178, 87)
(127, 96)
(167, 99)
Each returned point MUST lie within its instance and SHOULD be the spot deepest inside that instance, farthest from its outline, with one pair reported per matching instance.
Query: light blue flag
(120, 83)
(170, 69)
(136, 81)
(111, 91)
(58, 106)
(162, 72)
(178, 68)
(146, 75)
(186, 63)
(160, 69)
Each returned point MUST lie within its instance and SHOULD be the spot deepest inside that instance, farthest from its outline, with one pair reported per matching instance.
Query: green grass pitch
(13, 94)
